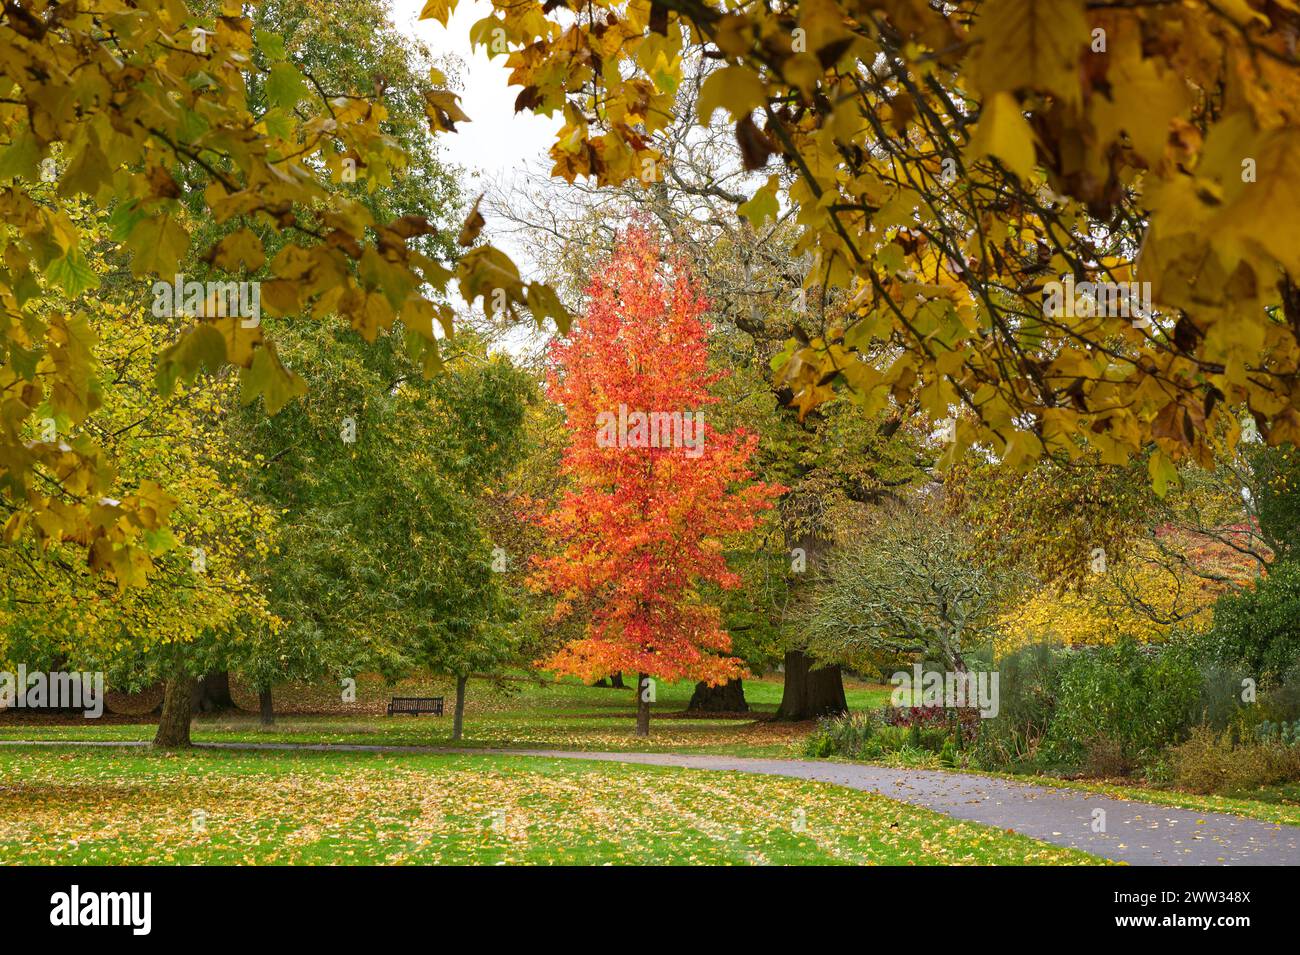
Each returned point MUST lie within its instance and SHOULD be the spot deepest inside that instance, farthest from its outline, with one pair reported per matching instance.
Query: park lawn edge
(1006, 847)
(1281, 814)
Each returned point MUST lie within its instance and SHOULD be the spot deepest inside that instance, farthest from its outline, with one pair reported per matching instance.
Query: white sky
(498, 142)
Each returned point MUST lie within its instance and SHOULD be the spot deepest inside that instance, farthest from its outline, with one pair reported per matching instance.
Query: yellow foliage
(1139, 599)
(198, 578)
(947, 161)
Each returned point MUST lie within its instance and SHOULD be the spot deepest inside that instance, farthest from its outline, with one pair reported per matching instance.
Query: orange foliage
(651, 498)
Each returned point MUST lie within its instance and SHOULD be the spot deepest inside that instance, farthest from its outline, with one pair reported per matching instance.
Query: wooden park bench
(415, 705)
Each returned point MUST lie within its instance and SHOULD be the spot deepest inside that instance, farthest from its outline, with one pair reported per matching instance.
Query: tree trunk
(458, 720)
(267, 705)
(727, 697)
(808, 693)
(211, 693)
(174, 723)
(616, 681)
(642, 705)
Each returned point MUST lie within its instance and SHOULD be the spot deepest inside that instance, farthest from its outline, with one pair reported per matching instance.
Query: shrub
(845, 735)
(868, 736)
(1119, 706)
(1027, 685)
(1219, 704)
(1209, 762)
(1106, 756)
(1281, 701)
(1203, 763)
(944, 721)
(948, 754)
(1260, 628)
(894, 739)
(1288, 733)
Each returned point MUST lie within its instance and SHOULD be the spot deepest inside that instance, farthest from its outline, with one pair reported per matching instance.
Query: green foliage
(272, 133)
(911, 580)
(752, 612)
(1219, 704)
(382, 562)
(866, 736)
(1260, 629)
(55, 611)
(1119, 706)
(344, 46)
(1280, 702)
(1115, 709)
(1028, 682)
(844, 735)
(1288, 733)
(1276, 496)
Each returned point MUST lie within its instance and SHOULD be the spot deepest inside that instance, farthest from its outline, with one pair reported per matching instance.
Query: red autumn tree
(653, 488)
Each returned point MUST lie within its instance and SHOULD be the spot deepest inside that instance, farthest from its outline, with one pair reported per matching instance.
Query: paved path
(1135, 832)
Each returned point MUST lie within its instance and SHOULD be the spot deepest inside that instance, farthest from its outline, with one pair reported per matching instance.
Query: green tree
(912, 581)
(1259, 629)
(383, 562)
(1273, 495)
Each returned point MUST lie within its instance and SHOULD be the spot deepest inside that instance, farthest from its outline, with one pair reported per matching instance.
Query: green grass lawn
(527, 714)
(113, 806)
(519, 714)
